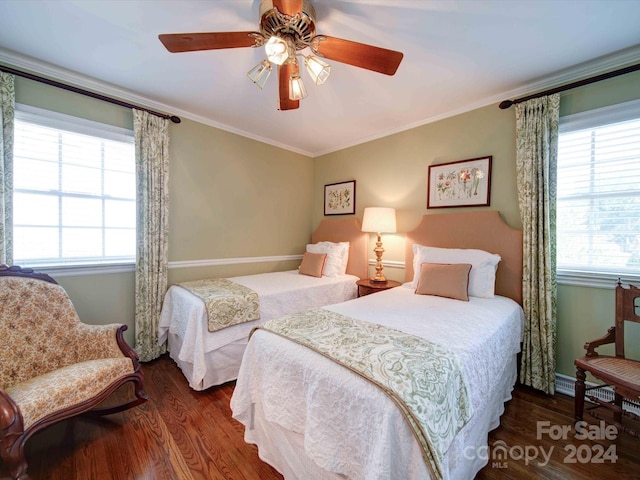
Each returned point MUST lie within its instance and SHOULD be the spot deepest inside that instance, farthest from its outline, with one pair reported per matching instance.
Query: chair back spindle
(627, 310)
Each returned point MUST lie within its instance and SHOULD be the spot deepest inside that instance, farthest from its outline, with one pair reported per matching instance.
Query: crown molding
(602, 64)
(38, 67)
(620, 59)
(580, 71)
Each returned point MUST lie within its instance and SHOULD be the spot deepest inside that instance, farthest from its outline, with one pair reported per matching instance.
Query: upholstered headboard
(346, 229)
(484, 230)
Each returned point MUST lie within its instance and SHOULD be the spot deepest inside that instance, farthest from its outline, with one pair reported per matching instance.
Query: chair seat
(66, 387)
(614, 370)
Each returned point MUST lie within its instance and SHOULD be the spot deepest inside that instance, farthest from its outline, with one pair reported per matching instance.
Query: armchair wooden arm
(591, 346)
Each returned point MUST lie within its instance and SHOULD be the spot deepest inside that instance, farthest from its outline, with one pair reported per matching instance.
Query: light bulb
(277, 50)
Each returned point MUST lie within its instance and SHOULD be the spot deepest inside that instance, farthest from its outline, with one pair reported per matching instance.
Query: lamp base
(379, 276)
(378, 279)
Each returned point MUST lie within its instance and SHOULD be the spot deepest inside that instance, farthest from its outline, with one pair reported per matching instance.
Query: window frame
(60, 121)
(592, 119)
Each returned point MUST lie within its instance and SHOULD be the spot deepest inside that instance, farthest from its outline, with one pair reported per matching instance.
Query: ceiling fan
(286, 27)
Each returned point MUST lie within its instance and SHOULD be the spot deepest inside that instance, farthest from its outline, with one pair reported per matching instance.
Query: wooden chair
(52, 366)
(618, 372)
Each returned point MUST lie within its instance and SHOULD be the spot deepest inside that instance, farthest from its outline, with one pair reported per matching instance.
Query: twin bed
(304, 392)
(314, 417)
(208, 358)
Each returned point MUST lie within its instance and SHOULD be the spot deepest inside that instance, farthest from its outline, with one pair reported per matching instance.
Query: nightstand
(366, 286)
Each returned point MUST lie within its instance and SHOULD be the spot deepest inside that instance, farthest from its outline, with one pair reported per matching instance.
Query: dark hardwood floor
(182, 434)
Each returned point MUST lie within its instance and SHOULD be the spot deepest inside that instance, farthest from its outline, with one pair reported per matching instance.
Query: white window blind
(74, 191)
(598, 204)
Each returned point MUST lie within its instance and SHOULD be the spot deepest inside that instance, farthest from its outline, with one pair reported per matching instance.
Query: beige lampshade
(379, 220)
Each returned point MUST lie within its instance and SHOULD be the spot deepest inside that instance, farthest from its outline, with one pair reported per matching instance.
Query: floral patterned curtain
(152, 199)
(536, 160)
(7, 113)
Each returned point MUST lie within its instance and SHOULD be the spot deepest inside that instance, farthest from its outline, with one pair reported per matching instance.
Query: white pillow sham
(337, 256)
(482, 278)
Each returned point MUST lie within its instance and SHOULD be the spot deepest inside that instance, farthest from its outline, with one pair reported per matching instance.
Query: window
(74, 191)
(598, 209)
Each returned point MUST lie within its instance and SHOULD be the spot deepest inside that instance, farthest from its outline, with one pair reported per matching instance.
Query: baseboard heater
(566, 385)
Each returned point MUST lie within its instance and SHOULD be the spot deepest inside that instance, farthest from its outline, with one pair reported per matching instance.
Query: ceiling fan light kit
(318, 70)
(296, 87)
(277, 50)
(260, 73)
(286, 27)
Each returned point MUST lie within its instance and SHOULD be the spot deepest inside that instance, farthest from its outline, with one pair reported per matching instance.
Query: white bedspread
(280, 293)
(350, 427)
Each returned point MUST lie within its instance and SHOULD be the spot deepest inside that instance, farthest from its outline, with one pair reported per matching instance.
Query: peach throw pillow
(312, 264)
(444, 280)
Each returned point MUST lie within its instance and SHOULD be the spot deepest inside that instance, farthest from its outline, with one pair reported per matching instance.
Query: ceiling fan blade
(284, 73)
(191, 42)
(288, 7)
(357, 54)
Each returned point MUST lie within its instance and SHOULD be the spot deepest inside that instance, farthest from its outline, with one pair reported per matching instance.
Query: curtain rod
(87, 93)
(507, 103)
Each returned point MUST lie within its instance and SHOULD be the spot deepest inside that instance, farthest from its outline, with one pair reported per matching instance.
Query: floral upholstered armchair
(52, 366)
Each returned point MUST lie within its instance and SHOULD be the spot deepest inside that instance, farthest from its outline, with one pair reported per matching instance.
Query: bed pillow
(312, 264)
(444, 280)
(343, 251)
(345, 257)
(337, 256)
(482, 278)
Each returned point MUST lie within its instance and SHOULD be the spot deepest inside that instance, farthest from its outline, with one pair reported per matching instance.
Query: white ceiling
(458, 55)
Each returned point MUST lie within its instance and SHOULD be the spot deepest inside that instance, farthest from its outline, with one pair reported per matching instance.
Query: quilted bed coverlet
(423, 378)
(348, 427)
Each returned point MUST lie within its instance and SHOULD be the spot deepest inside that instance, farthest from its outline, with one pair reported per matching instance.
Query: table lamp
(379, 220)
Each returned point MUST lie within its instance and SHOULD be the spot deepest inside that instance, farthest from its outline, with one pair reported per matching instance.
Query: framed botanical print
(464, 183)
(340, 198)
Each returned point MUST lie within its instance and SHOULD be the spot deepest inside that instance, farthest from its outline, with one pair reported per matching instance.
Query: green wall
(235, 197)
(230, 197)
(392, 171)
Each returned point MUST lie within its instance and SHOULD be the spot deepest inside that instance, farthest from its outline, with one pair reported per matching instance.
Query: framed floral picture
(465, 183)
(340, 198)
